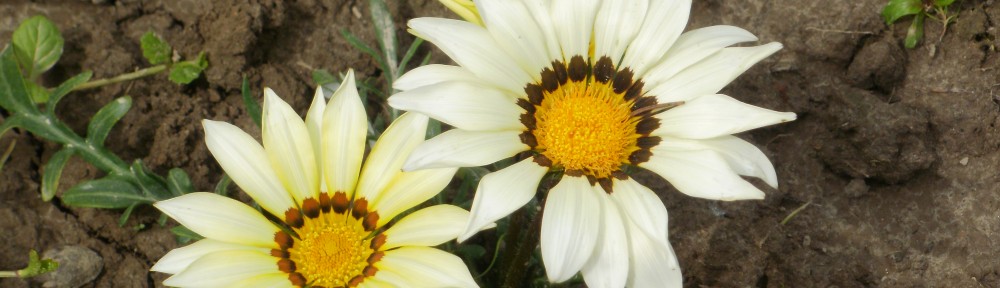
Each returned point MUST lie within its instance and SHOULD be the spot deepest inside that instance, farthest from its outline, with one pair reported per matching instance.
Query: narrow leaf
(915, 32)
(323, 77)
(253, 108)
(898, 8)
(128, 212)
(409, 54)
(7, 152)
(64, 88)
(152, 185)
(106, 118)
(109, 192)
(38, 45)
(53, 171)
(155, 49)
(385, 33)
(222, 188)
(37, 93)
(185, 72)
(178, 182)
(354, 41)
(13, 94)
(185, 235)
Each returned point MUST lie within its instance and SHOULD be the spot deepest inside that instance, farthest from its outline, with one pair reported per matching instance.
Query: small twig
(795, 212)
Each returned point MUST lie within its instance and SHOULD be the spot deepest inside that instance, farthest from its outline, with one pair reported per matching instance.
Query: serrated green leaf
(155, 49)
(222, 188)
(185, 235)
(13, 93)
(64, 88)
(53, 171)
(253, 108)
(943, 3)
(915, 32)
(38, 45)
(185, 72)
(110, 192)
(152, 185)
(178, 182)
(898, 8)
(105, 119)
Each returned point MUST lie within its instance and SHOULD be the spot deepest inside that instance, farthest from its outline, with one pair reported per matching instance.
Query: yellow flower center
(335, 242)
(332, 249)
(586, 127)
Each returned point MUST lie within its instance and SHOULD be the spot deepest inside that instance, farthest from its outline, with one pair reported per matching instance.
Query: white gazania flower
(589, 89)
(334, 212)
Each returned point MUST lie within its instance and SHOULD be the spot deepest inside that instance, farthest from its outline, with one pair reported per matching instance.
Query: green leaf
(185, 72)
(109, 192)
(409, 54)
(385, 34)
(222, 188)
(37, 266)
(13, 94)
(323, 77)
(64, 88)
(898, 8)
(155, 49)
(943, 3)
(178, 182)
(6, 153)
(185, 235)
(253, 108)
(354, 41)
(37, 93)
(53, 171)
(38, 45)
(106, 118)
(128, 212)
(152, 185)
(915, 32)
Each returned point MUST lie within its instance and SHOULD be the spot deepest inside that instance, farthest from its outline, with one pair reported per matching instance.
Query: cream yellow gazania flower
(336, 214)
(591, 89)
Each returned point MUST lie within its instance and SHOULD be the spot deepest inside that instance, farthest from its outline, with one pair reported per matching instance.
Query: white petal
(385, 161)
(464, 105)
(742, 156)
(314, 123)
(653, 263)
(702, 174)
(617, 24)
(426, 267)
(472, 47)
(693, 46)
(344, 135)
(245, 161)
(539, 10)
(384, 278)
(661, 27)
(409, 189)
(712, 74)
(429, 226)
(609, 265)
(569, 233)
(224, 268)
(220, 218)
(289, 146)
(503, 192)
(269, 280)
(714, 115)
(516, 33)
(432, 74)
(643, 207)
(461, 148)
(179, 259)
(573, 21)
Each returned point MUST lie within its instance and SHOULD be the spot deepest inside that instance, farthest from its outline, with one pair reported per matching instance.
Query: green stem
(122, 78)
(8, 274)
(517, 267)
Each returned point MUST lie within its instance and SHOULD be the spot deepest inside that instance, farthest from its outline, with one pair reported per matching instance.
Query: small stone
(78, 266)
(856, 188)
(964, 161)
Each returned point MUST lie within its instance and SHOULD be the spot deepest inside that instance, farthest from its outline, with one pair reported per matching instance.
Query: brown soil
(896, 150)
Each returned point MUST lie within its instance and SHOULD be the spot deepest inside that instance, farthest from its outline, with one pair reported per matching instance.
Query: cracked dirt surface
(897, 151)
